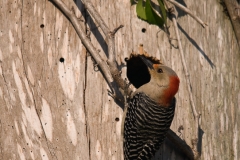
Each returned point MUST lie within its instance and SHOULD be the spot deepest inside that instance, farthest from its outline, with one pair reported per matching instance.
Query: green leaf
(148, 14)
(140, 9)
(152, 16)
(163, 11)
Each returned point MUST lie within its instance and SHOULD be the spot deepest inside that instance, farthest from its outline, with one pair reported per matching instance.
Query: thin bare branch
(189, 12)
(86, 42)
(195, 113)
(94, 13)
(108, 33)
(116, 74)
(110, 38)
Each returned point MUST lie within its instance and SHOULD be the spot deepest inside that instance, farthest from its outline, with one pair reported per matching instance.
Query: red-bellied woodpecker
(150, 112)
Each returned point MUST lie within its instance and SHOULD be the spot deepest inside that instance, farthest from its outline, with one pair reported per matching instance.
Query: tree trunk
(54, 102)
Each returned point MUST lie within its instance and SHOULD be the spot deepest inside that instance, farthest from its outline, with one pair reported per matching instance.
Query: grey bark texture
(54, 103)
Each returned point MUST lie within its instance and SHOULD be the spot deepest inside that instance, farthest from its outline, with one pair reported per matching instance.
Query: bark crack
(85, 109)
(44, 133)
(1, 149)
(34, 105)
(5, 81)
(84, 91)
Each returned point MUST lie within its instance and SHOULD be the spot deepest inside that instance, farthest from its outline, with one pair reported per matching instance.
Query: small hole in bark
(116, 119)
(61, 60)
(42, 25)
(143, 30)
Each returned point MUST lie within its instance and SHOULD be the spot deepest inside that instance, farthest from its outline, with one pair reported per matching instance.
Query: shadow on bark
(92, 27)
(180, 12)
(194, 43)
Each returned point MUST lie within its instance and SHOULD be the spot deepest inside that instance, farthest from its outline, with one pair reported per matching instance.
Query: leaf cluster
(146, 12)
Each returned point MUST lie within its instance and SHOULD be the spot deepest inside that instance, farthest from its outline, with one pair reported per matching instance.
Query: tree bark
(54, 102)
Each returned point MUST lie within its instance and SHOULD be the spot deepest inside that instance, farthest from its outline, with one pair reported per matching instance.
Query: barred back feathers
(145, 127)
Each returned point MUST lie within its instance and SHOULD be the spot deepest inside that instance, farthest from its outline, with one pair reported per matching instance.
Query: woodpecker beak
(147, 62)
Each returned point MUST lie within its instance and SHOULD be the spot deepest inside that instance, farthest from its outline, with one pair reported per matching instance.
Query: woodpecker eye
(160, 70)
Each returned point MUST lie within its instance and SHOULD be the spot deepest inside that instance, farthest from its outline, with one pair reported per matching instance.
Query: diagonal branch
(185, 9)
(86, 42)
(116, 74)
(94, 13)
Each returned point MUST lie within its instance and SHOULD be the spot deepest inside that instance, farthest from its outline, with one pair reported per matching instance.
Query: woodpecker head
(163, 84)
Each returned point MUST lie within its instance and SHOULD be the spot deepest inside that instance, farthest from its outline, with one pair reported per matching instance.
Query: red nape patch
(170, 92)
